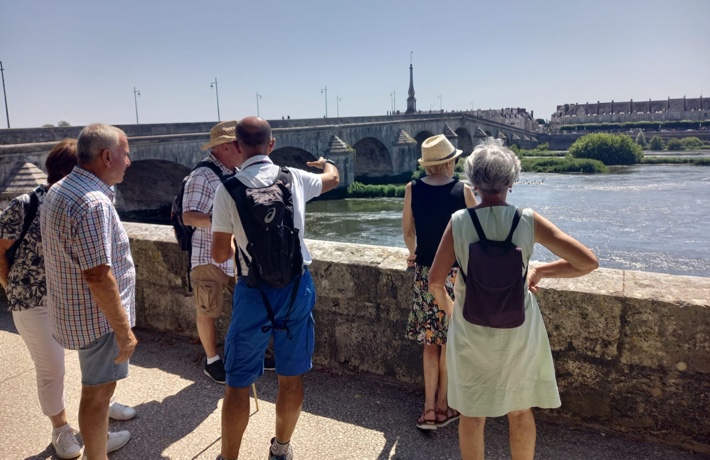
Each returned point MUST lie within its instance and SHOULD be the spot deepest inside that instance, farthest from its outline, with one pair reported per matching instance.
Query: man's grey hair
(93, 139)
(492, 167)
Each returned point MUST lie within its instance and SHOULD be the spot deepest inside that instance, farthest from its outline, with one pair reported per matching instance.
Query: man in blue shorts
(251, 328)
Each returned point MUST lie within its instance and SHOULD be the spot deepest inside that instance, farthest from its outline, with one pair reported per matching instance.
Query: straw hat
(221, 133)
(437, 150)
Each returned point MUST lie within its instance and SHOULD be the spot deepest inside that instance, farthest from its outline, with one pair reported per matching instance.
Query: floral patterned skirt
(427, 323)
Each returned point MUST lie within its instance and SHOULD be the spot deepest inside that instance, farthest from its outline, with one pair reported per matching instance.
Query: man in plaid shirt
(91, 278)
(209, 279)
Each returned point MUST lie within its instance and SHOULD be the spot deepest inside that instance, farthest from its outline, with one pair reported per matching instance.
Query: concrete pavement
(343, 417)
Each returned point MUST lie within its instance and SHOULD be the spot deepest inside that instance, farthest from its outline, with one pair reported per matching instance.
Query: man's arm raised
(330, 176)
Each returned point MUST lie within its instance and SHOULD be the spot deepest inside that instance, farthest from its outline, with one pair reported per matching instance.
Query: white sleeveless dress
(495, 371)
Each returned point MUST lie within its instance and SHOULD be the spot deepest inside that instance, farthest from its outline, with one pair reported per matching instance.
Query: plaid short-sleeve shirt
(199, 196)
(81, 230)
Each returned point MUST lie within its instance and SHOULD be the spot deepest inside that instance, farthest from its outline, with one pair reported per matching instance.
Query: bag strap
(270, 310)
(237, 190)
(30, 214)
(477, 225)
(514, 225)
(216, 169)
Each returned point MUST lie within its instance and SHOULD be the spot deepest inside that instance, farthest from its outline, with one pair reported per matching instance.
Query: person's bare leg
(430, 364)
(235, 417)
(59, 420)
(93, 418)
(288, 406)
(471, 437)
(522, 434)
(205, 329)
(442, 400)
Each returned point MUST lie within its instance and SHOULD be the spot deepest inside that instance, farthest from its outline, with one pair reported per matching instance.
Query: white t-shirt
(258, 172)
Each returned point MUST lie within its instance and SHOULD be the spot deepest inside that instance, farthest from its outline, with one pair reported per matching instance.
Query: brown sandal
(429, 425)
(447, 418)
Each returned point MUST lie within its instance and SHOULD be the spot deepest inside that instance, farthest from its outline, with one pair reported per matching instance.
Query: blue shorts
(96, 361)
(246, 342)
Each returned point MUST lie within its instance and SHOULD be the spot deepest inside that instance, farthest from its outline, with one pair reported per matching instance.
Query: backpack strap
(477, 225)
(514, 225)
(215, 169)
(30, 214)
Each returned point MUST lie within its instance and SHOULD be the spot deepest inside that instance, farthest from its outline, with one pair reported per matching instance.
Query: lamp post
(136, 93)
(258, 96)
(337, 105)
(441, 102)
(213, 84)
(7, 113)
(322, 91)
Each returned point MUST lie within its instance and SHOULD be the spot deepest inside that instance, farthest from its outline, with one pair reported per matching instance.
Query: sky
(79, 61)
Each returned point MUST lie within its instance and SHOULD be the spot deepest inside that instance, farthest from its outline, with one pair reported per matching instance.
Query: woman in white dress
(491, 371)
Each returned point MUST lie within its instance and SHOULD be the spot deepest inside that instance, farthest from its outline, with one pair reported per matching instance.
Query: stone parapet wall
(631, 349)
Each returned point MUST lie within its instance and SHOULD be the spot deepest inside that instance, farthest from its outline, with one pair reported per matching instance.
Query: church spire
(411, 100)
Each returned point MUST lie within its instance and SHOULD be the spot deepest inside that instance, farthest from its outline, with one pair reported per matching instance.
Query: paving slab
(343, 418)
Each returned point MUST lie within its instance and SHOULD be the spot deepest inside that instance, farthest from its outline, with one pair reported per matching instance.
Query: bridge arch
(372, 158)
(148, 188)
(293, 157)
(465, 140)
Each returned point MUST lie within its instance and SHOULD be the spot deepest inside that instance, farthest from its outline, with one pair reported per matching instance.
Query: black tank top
(432, 206)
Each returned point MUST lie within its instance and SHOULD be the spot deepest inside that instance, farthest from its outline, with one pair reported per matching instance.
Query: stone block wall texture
(631, 349)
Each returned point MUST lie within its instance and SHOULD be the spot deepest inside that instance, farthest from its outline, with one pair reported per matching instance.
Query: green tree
(641, 139)
(610, 149)
(692, 143)
(48, 125)
(657, 143)
(63, 124)
(674, 144)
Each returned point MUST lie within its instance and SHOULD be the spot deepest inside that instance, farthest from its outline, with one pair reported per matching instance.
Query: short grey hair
(492, 167)
(93, 139)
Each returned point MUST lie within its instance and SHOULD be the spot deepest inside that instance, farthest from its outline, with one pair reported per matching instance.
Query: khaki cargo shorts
(208, 285)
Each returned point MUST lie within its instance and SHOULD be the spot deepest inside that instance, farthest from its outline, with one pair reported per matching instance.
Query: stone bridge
(381, 148)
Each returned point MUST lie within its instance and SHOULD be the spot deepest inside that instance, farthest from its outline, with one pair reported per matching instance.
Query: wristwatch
(328, 160)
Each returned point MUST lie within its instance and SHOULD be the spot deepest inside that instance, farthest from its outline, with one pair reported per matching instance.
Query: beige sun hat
(221, 133)
(437, 150)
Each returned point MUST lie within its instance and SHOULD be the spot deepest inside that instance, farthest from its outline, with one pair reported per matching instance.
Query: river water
(644, 217)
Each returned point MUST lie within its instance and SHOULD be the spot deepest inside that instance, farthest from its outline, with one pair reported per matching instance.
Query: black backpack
(183, 233)
(267, 216)
(274, 247)
(495, 283)
(30, 213)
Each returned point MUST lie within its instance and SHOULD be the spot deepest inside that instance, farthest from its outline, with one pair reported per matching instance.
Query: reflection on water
(650, 218)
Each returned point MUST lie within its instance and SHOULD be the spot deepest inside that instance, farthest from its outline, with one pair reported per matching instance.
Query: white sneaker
(116, 440)
(65, 443)
(118, 411)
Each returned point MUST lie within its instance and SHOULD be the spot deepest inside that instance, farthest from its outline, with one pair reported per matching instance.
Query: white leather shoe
(65, 443)
(118, 411)
(116, 440)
